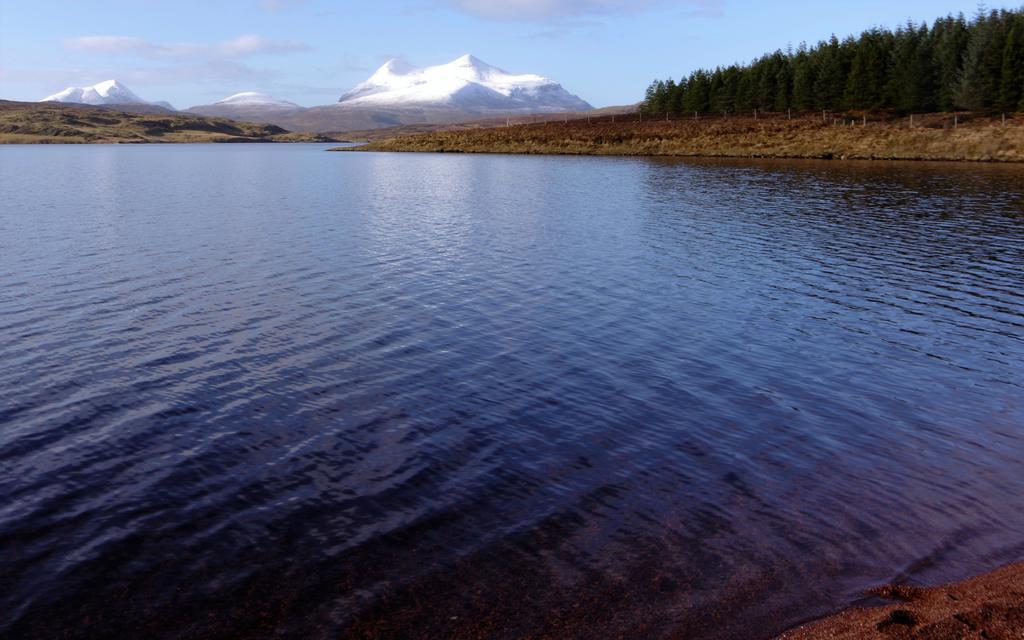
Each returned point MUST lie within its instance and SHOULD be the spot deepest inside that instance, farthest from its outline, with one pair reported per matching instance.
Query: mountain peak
(469, 60)
(106, 92)
(107, 85)
(466, 83)
(394, 66)
(473, 64)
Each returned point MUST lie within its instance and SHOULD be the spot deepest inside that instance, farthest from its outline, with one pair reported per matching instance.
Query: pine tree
(696, 98)
(804, 72)
(745, 98)
(978, 87)
(950, 37)
(783, 98)
(668, 102)
(911, 76)
(1012, 72)
(831, 79)
(868, 72)
(654, 100)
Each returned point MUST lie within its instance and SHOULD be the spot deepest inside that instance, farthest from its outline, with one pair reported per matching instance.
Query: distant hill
(251, 106)
(141, 108)
(398, 95)
(387, 133)
(53, 122)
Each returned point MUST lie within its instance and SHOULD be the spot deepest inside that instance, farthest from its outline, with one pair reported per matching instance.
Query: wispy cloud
(200, 72)
(563, 27)
(534, 10)
(242, 46)
(281, 5)
(541, 9)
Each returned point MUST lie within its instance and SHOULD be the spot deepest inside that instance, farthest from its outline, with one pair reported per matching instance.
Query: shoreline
(990, 605)
(934, 137)
(136, 143)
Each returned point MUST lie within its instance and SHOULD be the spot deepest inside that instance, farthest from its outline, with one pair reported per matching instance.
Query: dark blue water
(255, 391)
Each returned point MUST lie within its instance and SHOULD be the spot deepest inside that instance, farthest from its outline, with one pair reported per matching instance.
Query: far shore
(59, 123)
(949, 137)
(986, 606)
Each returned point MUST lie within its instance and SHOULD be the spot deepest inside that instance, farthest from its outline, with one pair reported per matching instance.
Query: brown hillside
(35, 122)
(932, 137)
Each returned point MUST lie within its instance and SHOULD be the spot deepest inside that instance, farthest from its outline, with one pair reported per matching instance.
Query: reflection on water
(263, 389)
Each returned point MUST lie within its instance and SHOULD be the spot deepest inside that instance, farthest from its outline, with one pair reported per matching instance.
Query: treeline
(955, 63)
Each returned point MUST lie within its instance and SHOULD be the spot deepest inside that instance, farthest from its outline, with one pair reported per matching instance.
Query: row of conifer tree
(956, 63)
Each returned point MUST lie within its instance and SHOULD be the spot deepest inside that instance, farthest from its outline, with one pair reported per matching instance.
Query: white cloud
(107, 44)
(239, 47)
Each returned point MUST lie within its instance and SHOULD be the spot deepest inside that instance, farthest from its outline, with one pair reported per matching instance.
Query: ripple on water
(280, 391)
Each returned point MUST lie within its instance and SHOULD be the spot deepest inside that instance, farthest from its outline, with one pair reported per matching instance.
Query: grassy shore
(52, 123)
(932, 137)
(987, 606)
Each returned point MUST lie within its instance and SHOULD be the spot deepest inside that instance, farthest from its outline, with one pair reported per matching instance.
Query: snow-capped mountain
(249, 105)
(106, 92)
(462, 90)
(397, 94)
(466, 84)
(253, 98)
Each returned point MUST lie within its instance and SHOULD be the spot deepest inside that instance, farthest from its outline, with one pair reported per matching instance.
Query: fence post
(911, 121)
(790, 116)
(956, 120)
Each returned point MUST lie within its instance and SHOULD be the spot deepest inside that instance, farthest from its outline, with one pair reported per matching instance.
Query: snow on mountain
(255, 98)
(465, 83)
(106, 92)
(249, 105)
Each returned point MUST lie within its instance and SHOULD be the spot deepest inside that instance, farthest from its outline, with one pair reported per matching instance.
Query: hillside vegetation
(932, 137)
(35, 122)
(955, 63)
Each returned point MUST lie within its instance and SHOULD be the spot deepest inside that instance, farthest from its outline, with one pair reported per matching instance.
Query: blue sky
(309, 51)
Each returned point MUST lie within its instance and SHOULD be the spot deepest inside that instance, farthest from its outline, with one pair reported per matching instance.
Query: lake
(256, 390)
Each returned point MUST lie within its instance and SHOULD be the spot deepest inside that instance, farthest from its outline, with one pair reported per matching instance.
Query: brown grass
(933, 137)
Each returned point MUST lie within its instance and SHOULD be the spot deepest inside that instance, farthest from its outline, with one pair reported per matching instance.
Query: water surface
(263, 390)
